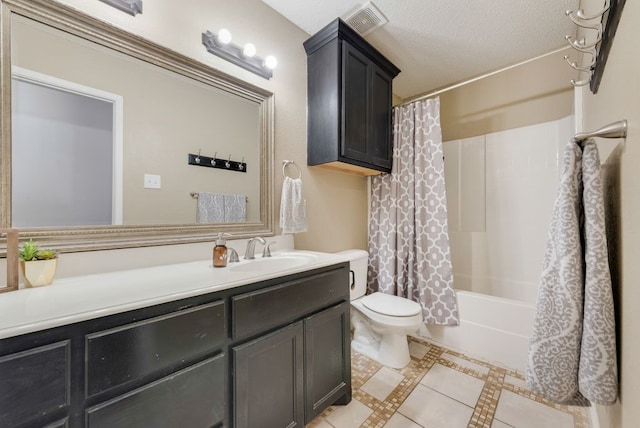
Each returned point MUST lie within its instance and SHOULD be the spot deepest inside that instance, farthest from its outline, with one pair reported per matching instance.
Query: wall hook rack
(604, 23)
(215, 162)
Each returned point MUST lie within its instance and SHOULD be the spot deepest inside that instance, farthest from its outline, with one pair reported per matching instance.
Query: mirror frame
(83, 238)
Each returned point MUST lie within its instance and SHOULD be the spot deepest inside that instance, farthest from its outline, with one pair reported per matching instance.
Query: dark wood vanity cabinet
(349, 92)
(306, 354)
(269, 354)
(307, 371)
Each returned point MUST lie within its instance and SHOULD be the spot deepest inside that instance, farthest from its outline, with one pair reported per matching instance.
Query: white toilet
(380, 321)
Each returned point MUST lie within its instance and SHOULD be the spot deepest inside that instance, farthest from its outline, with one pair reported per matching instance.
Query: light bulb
(249, 50)
(224, 36)
(271, 62)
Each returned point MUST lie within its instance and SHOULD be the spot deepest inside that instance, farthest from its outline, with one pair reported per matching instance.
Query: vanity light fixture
(245, 57)
(249, 50)
(224, 37)
(271, 62)
(132, 7)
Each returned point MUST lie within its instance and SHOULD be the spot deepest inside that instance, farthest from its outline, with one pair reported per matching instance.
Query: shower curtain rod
(613, 130)
(474, 79)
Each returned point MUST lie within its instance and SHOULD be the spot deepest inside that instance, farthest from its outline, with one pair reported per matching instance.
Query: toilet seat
(387, 304)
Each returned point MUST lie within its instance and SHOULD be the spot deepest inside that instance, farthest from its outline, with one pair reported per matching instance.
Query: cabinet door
(268, 381)
(355, 102)
(380, 139)
(327, 359)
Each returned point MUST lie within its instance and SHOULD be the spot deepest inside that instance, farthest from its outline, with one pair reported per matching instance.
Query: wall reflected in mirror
(80, 158)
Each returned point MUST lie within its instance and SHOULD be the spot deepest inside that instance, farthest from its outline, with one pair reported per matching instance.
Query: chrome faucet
(249, 253)
(267, 249)
(233, 255)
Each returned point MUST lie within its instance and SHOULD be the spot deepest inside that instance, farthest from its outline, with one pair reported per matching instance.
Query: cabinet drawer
(127, 353)
(193, 397)
(270, 307)
(33, 383)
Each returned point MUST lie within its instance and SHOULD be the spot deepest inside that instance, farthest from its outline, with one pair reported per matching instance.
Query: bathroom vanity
(259, 344)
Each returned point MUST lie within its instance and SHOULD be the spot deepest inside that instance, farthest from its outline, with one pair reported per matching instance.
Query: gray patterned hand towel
(210, 208)
(235, 208)
(572, 349)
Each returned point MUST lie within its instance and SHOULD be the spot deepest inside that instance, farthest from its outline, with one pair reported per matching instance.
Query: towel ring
(290, 162)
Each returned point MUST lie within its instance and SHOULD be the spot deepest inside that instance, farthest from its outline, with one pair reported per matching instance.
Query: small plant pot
(38, 272)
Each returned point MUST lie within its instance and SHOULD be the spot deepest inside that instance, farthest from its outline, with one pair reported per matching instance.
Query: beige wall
(619, 98)
(534, 92)
(336, 202)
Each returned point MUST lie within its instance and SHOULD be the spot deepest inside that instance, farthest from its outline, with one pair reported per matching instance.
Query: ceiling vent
(366, 19)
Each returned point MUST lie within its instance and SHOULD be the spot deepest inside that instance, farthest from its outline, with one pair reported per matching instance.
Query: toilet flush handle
(353, 280)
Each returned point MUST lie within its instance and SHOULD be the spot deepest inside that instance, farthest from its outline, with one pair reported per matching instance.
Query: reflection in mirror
(66, 157)
(166, 116)
(102, 138)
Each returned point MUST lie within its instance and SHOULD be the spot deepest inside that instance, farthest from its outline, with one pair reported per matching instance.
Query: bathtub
(491, 328)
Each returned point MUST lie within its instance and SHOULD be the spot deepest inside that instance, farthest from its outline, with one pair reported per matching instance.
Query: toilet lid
(386, 304)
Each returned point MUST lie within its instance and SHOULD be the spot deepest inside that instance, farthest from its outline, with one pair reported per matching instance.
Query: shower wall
(500, 192)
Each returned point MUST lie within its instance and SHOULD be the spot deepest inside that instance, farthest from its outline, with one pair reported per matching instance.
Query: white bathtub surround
(408, 233)
(500, 193)
(575, 322)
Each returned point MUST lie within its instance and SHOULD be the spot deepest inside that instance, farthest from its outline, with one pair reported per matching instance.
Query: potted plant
(38, 265)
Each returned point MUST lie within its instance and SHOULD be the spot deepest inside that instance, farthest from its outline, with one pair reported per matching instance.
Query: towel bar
(613, 130)
(195, 195)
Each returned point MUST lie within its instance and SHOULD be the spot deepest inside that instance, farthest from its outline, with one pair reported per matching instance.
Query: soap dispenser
(220, 251)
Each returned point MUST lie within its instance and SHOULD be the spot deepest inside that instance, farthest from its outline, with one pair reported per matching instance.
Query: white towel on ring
(293, 211)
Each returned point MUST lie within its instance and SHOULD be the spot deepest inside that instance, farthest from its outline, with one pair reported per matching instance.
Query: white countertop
(70, 300)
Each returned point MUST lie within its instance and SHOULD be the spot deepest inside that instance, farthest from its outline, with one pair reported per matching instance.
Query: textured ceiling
(439, 42)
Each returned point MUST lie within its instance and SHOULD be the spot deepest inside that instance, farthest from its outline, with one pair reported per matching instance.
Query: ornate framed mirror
(161, 107)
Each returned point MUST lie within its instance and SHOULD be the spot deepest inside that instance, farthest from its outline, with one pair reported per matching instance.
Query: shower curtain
(409, 253)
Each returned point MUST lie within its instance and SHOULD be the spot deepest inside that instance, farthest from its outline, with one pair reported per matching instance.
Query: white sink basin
(271, 264)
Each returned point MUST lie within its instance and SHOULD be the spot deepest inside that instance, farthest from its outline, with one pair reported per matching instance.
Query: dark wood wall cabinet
(349, 92)
(269, 354)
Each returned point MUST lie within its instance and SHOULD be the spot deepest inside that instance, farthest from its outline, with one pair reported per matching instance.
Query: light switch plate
(151, 181)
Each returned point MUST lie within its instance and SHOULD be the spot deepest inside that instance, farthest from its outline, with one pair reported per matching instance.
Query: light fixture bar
(132, 7)
(233, 54)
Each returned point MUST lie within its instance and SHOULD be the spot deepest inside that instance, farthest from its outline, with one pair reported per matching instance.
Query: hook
(580, 45)
(580, 13)
(581, 22)
(241, 164)
(580, 82)
(575, 66)
(213, 160)
(198, 157)
(228, 163)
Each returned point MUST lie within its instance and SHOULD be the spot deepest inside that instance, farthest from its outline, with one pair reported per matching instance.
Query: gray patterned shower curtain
(409, 254)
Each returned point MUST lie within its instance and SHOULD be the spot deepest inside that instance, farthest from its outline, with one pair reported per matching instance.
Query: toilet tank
(358, 260)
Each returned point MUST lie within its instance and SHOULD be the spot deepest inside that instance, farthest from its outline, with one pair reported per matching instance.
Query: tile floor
(441, 388)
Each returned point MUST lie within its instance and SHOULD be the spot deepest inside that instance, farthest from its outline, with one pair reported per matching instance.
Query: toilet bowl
(380, 321)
